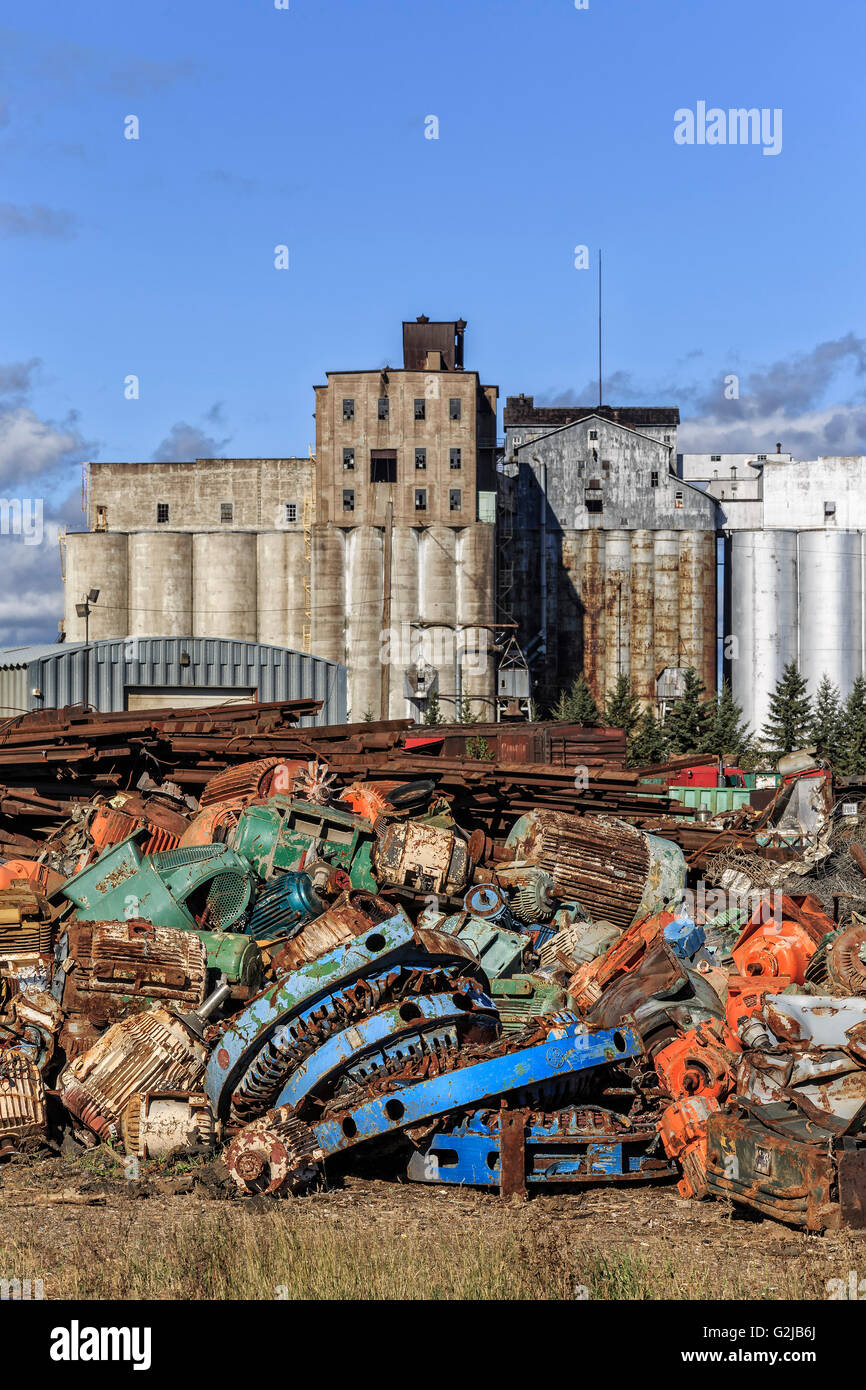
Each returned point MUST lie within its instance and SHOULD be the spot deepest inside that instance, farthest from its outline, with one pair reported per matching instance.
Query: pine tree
(853, 738)
(790, 723)
(465, 715)
(648, 743)
(621, 710)
(687, 723)
(726, 735)
(576, 705)
(828, 721)
(432, 714)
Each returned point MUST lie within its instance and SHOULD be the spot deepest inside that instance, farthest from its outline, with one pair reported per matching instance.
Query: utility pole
(83, 611)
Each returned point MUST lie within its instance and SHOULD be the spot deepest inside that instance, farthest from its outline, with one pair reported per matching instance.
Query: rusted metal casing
(427, 858)
(158, 1123)
(148, 1052)
(615, 871)
(22, 1100)
(109, 969)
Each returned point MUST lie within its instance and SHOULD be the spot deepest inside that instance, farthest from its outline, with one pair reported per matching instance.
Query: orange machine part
(589, 982)
(212, 824)
(746, 995)
(369, 799)
(784, 947)
(683, 1130)
(251, 781)
(697, 1064)
(41, 879)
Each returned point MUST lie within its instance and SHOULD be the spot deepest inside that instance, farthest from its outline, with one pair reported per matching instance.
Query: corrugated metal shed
(126, 672)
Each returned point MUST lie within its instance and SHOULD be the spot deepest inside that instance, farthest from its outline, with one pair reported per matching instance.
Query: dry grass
(456, 1247)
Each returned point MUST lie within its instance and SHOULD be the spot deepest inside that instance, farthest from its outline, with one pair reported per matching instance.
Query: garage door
(164, 697)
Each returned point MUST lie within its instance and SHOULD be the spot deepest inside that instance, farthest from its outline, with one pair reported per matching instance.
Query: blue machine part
(499, 949)
(487, 901)
(387, 944)
(566, 1050)
(284, 906)
(540, 933)
(586, 1144)
(396, 1032)
(683, 937)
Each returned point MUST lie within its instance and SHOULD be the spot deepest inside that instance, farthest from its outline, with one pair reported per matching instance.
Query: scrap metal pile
(314, 973)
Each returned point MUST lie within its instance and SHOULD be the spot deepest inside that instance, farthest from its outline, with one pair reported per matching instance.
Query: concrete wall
(257, 489)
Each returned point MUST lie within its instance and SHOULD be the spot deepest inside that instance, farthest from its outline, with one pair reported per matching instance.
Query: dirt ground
(83, 1230)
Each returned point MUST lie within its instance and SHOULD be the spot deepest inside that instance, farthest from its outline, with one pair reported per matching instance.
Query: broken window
(348, 458)
(348, 499)
(420, 499)
(383, 465)
(593, 434)
(654, 478)
(348, 410)
(678, 501)
(225, 511)
(420, 458)
(454, 408)
(420, 409)
(455, 458)
(291, 511)
(161, 513)
(383, 407)
(455, 499)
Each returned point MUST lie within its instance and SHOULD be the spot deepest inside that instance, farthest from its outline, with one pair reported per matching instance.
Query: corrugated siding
(275, 672)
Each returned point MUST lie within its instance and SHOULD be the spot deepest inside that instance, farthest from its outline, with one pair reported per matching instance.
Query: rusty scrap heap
(317, 950)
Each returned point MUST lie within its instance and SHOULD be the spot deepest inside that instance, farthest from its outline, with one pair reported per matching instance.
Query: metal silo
(592, 598)
(831, 615)
(160, 584)
(763, 616)
(666, 558)
(97, 560)
(698, 604)
(643, 672)
(617, 595)
(224, 584)
(364, 603)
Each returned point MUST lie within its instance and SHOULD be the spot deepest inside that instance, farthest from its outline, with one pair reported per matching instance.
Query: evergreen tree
(621, 710)
(648, 743)
(853, 739)
(725, 734)
(576, 705)
(827, 730)
(465, 715)
(790, 723)
(687, 723)
(432, 714)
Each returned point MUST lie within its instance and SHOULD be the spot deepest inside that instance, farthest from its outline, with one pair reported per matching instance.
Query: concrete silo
(438, 604)
(364, 605)
(224, 584)
(97, 560)
(160, 584)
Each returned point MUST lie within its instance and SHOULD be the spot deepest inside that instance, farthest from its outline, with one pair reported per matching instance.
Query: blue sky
(306, 127)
